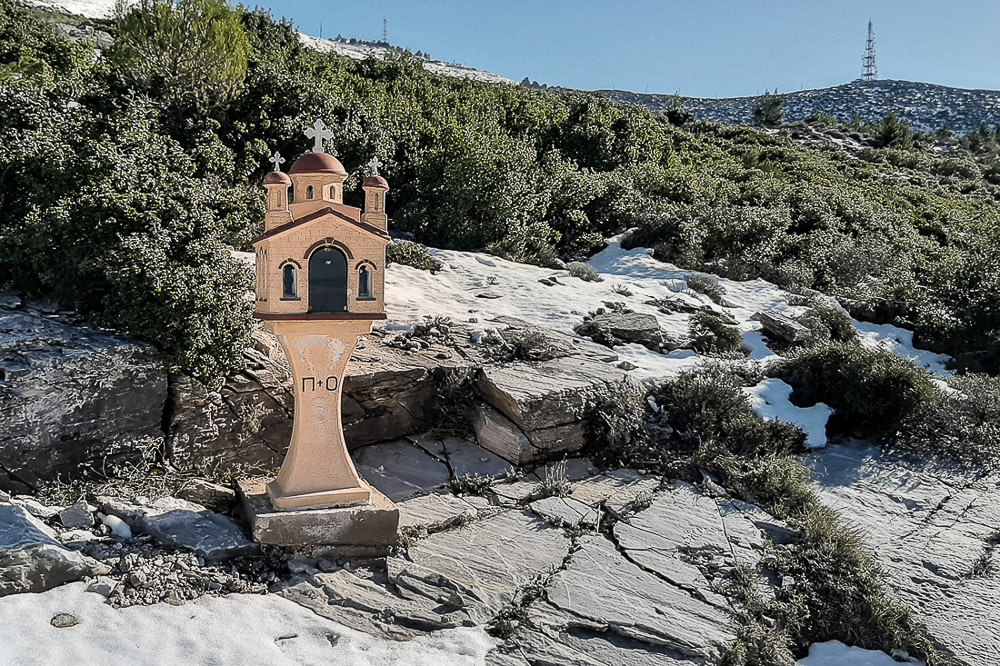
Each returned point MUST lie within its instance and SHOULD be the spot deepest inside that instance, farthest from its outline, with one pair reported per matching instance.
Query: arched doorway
(328, 280)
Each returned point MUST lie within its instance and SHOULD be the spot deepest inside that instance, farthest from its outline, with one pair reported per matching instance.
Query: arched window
(309, 192)
(364, 282)
(289, 282)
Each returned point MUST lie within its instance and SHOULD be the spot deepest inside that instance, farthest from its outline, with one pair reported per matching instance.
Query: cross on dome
(317, 133)
(375, 164)
(277, 160)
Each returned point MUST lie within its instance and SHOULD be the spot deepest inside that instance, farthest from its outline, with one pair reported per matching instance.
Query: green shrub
(710, 334)
(585, 272)
(411, 254)
(708, 410)
(704, 284)
(961, 424)
(871, 390)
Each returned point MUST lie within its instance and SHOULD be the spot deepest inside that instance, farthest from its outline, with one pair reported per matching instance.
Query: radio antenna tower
(385, 30)
(870, 69)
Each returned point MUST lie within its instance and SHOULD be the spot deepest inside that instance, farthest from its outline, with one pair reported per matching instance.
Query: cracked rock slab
(437, 511)
(484, 563)
(603, 589)
(927, 527)
(176, 522)
(401, 470)
(31, 560)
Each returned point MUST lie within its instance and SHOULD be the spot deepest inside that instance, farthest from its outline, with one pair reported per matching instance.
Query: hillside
(925, 107)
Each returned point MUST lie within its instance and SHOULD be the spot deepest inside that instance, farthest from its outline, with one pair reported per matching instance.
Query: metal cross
(277, 160)
(375, 164)
(317, 134)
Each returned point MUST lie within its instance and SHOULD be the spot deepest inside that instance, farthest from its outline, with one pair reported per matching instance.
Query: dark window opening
(289, 282)
(309, 192)
(364, 282)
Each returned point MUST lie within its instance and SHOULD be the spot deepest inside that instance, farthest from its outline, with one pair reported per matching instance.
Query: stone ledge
(371, 527)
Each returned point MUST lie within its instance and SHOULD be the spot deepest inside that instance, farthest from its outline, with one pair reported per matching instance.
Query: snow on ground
(835, 653)
(478, 286)
(900, 342)
(770, 401)
(85, 8)
(238, 629)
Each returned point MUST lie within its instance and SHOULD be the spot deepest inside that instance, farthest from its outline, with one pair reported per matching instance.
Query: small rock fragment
(63, 621)
(78, 516)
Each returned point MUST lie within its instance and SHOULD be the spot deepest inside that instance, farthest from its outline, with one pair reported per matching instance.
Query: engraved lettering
(331, 383)
(312, 383)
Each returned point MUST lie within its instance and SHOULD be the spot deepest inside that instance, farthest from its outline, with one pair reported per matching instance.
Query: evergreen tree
(770, 110)
(192, 54)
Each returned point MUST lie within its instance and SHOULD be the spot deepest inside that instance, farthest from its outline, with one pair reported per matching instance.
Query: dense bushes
(871, 390)
(411, 254)
(961, 424)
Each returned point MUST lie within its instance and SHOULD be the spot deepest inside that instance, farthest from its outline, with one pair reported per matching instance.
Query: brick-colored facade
(306, 213)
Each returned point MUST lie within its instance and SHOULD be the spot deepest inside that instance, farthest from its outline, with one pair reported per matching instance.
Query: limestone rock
(209, 495)
(603, 587)
(547, 402)
(72, 397)
(927, 526)
(79, 516)
(784, 327)
(35, 508)
(566, 512)
(643, 329)
(176, 522)
(31, 560)
(400, 469)
(497, 556)
(438, 511)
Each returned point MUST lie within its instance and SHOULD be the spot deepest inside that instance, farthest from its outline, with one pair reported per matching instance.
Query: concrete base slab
(370, 527)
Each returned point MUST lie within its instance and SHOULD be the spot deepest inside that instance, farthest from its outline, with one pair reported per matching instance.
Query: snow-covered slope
(477, 288)
(923, 106)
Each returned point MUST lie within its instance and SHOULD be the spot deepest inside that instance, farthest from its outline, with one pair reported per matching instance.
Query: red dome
(318, 163)
(375, 182)
(277, 178)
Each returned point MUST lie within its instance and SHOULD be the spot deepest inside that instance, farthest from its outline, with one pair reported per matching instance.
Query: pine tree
(770, 110)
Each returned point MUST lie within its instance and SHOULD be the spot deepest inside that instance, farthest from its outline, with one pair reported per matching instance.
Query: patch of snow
(755, 344)
(900, 342)
(770, 401)
(85, 8)
(835, 653)
(237, 629)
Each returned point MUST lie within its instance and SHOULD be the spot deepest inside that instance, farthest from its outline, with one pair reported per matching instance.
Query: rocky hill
(923, 106)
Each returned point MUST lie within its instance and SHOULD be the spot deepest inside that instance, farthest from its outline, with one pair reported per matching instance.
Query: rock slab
(71, 398)
(176, 522)
(31, 560)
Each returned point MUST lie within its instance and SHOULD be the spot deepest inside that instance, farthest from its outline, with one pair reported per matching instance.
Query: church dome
(318, 163)
(375, 182)
(277, 178)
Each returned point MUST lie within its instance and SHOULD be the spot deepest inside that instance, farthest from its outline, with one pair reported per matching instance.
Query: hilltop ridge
(923, 106)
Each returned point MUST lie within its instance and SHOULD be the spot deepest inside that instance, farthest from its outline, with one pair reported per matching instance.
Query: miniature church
(320, 282)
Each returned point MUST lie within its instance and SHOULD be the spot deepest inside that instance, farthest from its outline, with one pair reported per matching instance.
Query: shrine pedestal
(360, 530)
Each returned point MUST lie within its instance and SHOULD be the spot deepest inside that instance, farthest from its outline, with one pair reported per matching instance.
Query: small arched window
(364, 282)
(309, 192)
(289, 282)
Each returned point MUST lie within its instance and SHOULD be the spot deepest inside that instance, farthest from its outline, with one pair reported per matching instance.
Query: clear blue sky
(703, 48)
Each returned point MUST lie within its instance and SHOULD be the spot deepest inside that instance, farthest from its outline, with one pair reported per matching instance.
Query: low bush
(411, 254)
(829, 324)
(871, 390)
(962, 424)
(583, 271)
(706, 285)
(711, 335)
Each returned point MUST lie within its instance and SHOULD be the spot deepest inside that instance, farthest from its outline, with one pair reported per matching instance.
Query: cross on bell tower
(277, 160)
(375, 163)
(317, 133)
